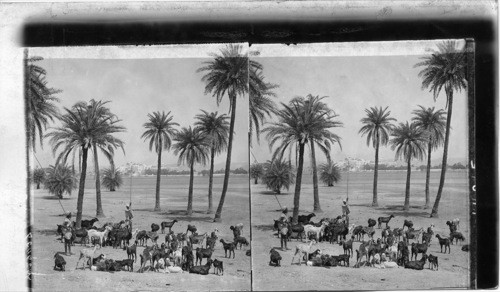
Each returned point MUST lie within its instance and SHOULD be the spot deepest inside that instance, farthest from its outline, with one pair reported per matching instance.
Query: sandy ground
(47, 213)
(453, 268)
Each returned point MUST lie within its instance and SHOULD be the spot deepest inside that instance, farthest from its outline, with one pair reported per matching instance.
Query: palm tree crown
(60, 180)
(330, 173)
(408, 141)
(432, 122)
(215, 127)
(159, 131)
(191, 146)
(377, 126)
(261, 104)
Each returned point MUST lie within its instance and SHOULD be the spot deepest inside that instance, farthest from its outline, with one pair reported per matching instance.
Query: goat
(212, 240)
(386, 232)
(202, 253)
(342, 258)
(426, 237)
(416, 265)
(202, 270)
(101, 234)
(295, 229)
(433, 260)
(357, 232)
(371, 222)
(153, 235)
(398, 232)
(275, 258)
(191, 228)
(98, 259)
(177, 256)
(218, 266)
(166, 224)
(304, 219)
(339, 230)
(456, 235)
(236, 231)
(186, 250)
(370, 231)
(81, 233)
(228, 247)
(59, 262)
(417, 248)
(161, 253)
(197, 239)
(126, 263)
(154, 227)
(361, 252)
(88, 223)
(87, 254)
(146, 255)
(407, 223)
(132, 251)
(303, 249)
(414, 234)
(182, 238)
(188, 262)
(347, 246)
(384, 220)
(317, 230)
(240, 240)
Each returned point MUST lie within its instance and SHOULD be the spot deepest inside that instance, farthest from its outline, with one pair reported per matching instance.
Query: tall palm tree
(444, 68)
(330, 173)
(377, 125)
(39, 177)
(60, 180)
(261, 104)
(40, 107)
(278, 174)
(192, 147)
(159, 130)
(80, 127)
(434, 124)
(216, 128)
(106, 144)
(112, 179)
(316, 110)
(296, 126)
(409, 142)
(227, 74)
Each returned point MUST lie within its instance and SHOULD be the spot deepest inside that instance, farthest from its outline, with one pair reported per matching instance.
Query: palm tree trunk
(255, 180)
(211, 182)
(112, 167)
(190, 193)
(38, 186)
(375, 174)
(99, 211)
(428, 176)
(449, 95)
(317, 206)
(228, 160)
(298, 182)
(81, 188)
(158, 173)
(407, 192)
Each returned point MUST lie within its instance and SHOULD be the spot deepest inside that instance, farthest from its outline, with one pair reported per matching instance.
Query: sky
(353, 83)
(135, 88)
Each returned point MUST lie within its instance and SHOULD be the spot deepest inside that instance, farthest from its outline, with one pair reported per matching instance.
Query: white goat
(317, 230)
(303, 249)
(87, 255)
(177, 256)
(102, 235)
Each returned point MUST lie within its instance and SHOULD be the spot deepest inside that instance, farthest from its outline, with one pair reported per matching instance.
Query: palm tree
(318, 111)
(256, 171)
(80, 127)
(40, 98)
(192, 147)
(60, 180)
(329, 173)
(261, 105)
(216, 128)
(278, 174)
(159, 131)
(228, 74)
(38, 177)
(433, 123)
(444, 68)
(296, 126)
(409, 142)
(112, 179)
(377, 125)
(105, 143)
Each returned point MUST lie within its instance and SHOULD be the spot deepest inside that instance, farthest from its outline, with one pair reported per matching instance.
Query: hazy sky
(135, 88)
(353, 83)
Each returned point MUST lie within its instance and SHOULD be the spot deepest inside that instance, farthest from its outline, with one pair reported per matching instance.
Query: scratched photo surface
(360, 123)
(111, 118)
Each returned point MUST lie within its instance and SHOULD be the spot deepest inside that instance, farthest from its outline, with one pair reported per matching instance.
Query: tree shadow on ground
(181, 215)
(360, 205)
(272, 193)
(397, 210)
(47, 232)
(56, 198)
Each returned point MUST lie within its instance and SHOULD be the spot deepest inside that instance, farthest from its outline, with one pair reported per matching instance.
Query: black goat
(433, 261)
(357, 232)
(347, 246)
(191, 228)
(228, 247)
(342, 258)
(132, 251)
(456, 235)
(202, 270)
(444, 241)
(240, 240)
(202, 253)
(304, 219)
(465, 247)
(166, 224)
(236, 231)
(417, 248)
(155, 227)
(371, 222)
(384, 220)
(59, 262)
(142, 236)
(416, 265)
(218, 266)
(88, 223)
(275, 258)
(407, 223)
(126, 263)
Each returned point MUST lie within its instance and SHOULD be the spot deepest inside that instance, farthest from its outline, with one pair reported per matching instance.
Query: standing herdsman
(345, 210)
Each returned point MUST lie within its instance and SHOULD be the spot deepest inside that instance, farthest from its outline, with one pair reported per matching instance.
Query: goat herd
(390, 250)
(183, 251)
